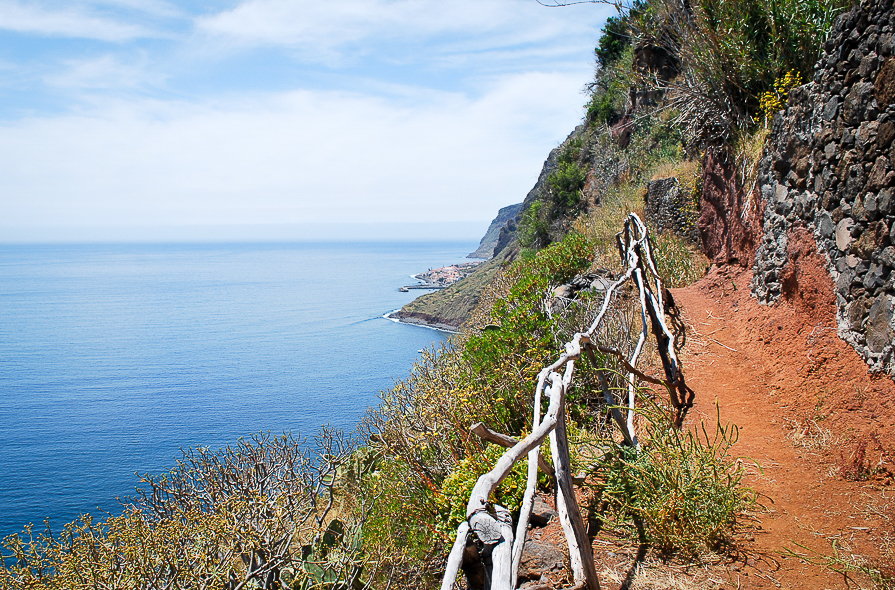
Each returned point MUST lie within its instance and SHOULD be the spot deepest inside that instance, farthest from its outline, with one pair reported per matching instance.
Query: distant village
(439, 278)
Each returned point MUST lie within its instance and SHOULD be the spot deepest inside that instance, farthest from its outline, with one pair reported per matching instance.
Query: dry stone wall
(829, 168)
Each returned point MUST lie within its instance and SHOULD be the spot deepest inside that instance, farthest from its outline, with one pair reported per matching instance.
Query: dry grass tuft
(655, 574)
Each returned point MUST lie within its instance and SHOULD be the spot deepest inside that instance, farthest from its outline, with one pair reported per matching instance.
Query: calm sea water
(112, 357)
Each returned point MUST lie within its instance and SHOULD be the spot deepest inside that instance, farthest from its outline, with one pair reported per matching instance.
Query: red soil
(809, 413)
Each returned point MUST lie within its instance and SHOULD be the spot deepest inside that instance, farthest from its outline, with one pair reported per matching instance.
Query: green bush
(534, 228)
(609, 91)
(681, 489)
(615, 39)
(565, 184)
(456, 489)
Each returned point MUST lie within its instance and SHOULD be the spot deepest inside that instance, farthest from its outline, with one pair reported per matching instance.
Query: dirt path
(820, 427)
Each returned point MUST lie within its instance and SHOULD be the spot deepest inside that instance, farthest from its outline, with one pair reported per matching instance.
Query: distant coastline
(445, 276)
(434, 279)
(396, 317)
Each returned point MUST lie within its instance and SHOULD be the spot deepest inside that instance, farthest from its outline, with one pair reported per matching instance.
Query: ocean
(113, 357)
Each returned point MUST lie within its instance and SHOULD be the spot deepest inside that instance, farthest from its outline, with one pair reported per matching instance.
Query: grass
(841, 560)
(682, 491)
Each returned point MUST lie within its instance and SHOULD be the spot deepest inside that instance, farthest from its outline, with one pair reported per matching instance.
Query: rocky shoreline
(426, 322)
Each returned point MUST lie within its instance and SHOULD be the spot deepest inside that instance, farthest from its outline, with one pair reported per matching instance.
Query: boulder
(541, 513)
(540, 558)
(879, 323)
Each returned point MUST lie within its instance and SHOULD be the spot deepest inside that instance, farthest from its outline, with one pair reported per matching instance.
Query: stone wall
(829, 170)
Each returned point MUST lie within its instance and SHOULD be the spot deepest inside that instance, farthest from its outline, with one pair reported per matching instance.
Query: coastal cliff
(506, 216)
(449, 308)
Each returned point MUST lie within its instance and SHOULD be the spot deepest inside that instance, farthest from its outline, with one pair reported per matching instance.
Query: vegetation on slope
(450, 307)
(378, 511)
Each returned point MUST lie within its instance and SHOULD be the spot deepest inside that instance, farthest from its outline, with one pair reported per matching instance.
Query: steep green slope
(448, 308)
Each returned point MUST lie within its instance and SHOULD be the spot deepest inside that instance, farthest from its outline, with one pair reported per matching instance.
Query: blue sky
(280, 119)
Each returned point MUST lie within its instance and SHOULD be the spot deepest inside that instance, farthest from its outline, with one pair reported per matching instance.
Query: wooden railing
(493, 525)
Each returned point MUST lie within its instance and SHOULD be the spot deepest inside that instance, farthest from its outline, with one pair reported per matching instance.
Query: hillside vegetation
(378, 508)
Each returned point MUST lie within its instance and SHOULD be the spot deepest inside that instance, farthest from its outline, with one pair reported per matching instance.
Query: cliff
(506, 215)
(824, 187)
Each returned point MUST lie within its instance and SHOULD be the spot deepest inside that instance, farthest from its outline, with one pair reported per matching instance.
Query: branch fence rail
(493, 524)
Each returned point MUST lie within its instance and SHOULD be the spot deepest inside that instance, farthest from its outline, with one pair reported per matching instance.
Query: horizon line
(348, 232)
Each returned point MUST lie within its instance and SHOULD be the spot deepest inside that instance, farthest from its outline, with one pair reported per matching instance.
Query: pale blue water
(112, 357)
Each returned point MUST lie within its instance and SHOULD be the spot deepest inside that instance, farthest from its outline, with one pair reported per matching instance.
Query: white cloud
(35, 19)
(153, 7)
(293, 157)
(117, 152)
(105, 72)
(322, 29)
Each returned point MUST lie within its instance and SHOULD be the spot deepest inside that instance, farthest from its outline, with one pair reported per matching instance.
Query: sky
(149, 120)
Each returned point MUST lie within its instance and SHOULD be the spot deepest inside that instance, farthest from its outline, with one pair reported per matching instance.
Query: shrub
(731, 53)
(775, 100)
(681, 489)
(427, 458)
(456, 489)
(534, 227)
(609, 90)
(522, 329)
(615, 39)
(679, 263)
(231, 518)
(565, 184)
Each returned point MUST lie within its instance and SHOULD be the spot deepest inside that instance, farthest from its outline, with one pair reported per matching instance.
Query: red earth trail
(809, 413)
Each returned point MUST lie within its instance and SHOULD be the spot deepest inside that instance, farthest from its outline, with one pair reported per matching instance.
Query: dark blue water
(113, 357)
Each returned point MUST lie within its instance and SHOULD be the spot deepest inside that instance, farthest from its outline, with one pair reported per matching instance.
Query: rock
(871, 206)
(541, 513)
(872, 238)
(780, 193)
(877, 178)
(887, 257)
(884, 134)
(868, 65)
(564, 291)
(860, 95)
(879, 323)
(843, 233)
(489, 240)
(600, 284)
(539, 558)
(874, 278)
(857, 312)
(825, 225)
(831, 108)
(884, 85)
(670, 209)
(843, 284)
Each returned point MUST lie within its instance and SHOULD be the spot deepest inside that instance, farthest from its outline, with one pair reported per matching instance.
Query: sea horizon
(321, 232)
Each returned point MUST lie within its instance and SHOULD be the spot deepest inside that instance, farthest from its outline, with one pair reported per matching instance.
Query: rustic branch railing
(493, 524)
